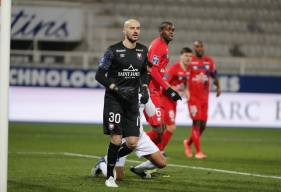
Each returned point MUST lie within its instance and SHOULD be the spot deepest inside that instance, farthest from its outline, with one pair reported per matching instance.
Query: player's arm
(154, 58)
(217, 84)
(169, 76)
(101, 77)
(119, 168)
(150, 108)
(156, 75)
(214, 76)
(188, 73)
(169, 91)
(155, 55)
(119, 173)
(104, 65)
(144, 78)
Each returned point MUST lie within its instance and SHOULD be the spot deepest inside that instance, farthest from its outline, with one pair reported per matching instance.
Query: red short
(170, 110)
(157, 119)
(198, 109)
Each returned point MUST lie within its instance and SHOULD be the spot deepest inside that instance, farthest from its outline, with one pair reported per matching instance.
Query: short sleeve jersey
(176, 75)
(158, 55)
(199, 71)
(124, 66)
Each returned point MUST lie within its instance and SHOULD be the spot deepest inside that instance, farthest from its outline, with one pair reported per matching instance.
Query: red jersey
(158, 57)
(176, 75)
(199, 71)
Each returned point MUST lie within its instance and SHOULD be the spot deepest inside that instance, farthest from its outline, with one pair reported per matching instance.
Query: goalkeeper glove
(173, 94)
(126, 93)
(144, 94)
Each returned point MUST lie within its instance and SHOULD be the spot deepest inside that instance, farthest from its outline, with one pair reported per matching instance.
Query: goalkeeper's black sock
(124, 150)
(112, 153)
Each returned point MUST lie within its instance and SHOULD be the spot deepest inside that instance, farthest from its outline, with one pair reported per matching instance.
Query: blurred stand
(74, 34)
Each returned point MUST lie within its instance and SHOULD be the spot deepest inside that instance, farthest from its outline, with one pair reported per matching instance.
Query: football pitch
(59, 157)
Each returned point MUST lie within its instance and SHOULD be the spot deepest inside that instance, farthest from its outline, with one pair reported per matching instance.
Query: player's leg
(156, 121)
(119, 168)
(128, 146)
(196, 127)
(194, 111)
(202, 126)
(203, 123)
(169, 108)
(154, 160)
(101, 166)
(96, 170)
(157, 159)
(112, 154)
(131, 130)
(156, 131)
(195, 134)
(112, 126)
(146, 148)
(204, 117)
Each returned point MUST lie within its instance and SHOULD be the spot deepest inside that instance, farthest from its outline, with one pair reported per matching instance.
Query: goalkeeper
(145, 148)
(122, 71)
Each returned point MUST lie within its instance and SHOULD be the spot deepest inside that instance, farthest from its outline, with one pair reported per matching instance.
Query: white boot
(110, 182)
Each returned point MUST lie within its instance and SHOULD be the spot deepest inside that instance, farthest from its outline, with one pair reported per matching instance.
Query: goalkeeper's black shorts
(120, 117)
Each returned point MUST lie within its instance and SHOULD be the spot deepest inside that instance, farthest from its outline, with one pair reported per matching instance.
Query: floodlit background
(55, 104)
(59, 43)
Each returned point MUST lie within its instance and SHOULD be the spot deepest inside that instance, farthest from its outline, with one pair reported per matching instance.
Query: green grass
(255, 151)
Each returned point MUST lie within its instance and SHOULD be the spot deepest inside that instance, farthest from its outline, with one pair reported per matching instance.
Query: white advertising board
(86, 106)
(239, 110)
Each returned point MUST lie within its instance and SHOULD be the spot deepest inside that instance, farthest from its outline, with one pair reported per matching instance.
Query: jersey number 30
(114, 118)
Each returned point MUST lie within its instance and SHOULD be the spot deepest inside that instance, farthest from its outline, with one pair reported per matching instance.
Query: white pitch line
(170, 165)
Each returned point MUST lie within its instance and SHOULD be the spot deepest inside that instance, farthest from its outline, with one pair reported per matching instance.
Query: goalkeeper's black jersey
(124, 66)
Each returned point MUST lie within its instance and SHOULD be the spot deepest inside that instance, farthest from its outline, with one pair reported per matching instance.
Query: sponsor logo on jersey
(120, 50)
(200, 77)
(180, 78)
(139, 56)
(162, 70)
(139, 50)
(155, 59)
(122, 55)
(129, 73)
(199, 68)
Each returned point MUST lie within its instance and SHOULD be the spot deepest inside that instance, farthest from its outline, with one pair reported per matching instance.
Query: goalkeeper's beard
(132, 40)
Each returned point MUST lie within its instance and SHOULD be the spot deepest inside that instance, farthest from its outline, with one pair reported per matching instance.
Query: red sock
(160, 146)
(152, 134)
(158, 141)
(165, 139)
(195, 134)
(189, 140)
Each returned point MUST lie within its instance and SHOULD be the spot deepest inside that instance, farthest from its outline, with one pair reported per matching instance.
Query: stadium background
(55, 49)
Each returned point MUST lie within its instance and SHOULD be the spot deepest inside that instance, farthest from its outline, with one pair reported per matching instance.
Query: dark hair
(164, 24)
(186, 50)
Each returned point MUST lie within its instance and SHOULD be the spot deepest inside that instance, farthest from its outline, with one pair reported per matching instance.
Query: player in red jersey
(201, 68)
(158, 56)
(176, 76)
